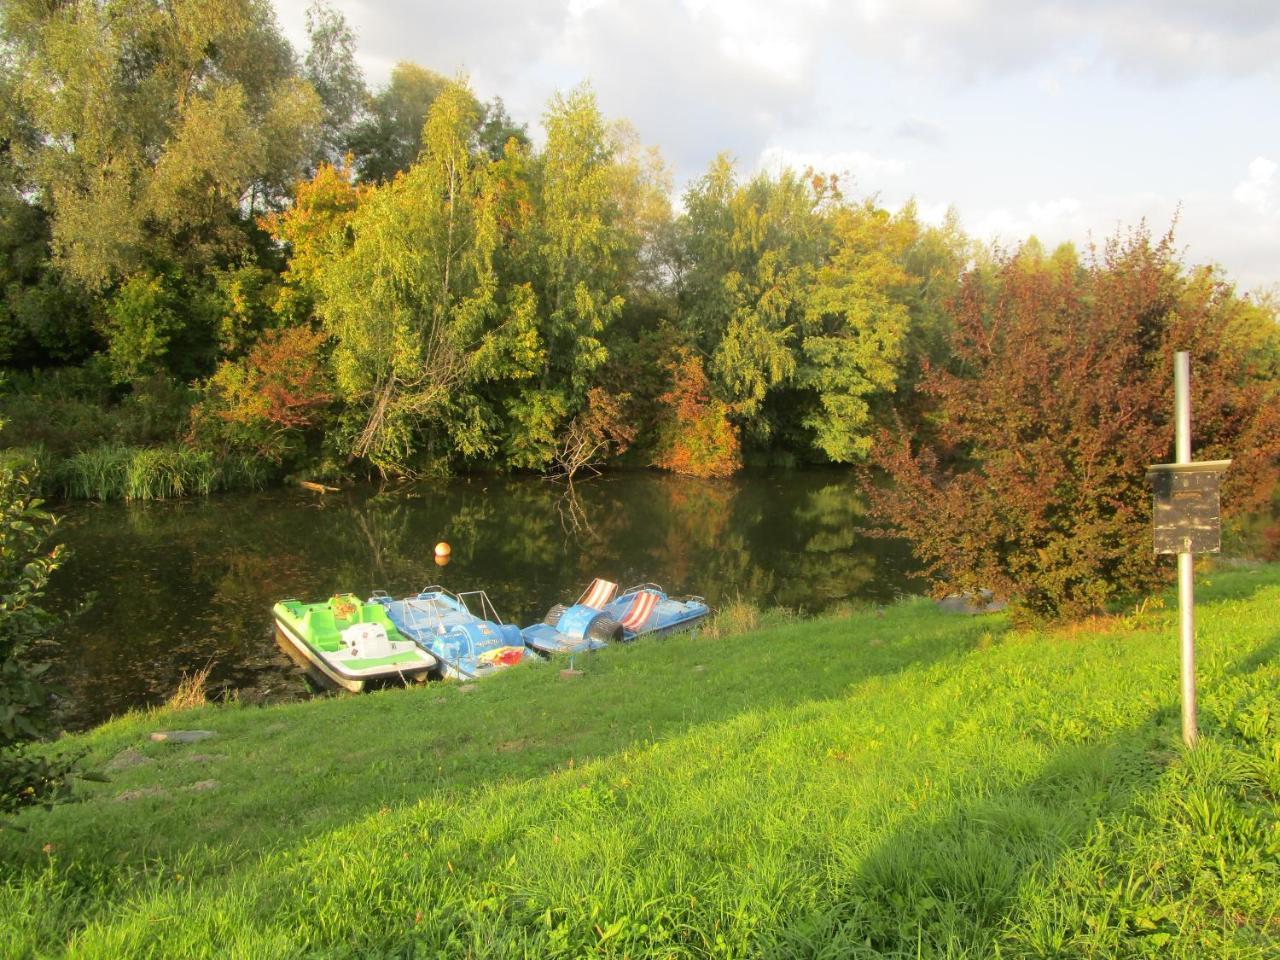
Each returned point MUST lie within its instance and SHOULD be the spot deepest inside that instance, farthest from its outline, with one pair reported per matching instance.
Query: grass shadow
(299, 770)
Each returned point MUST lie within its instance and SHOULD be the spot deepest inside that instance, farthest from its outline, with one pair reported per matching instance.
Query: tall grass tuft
(113, 471)
(734, 617)
(192, 691)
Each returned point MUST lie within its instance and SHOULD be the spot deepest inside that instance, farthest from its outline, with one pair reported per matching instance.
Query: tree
(749, 256)
(408, 302)
(695, 436)
(267, 399)
(1059, 396)
(576, 262)
(158, 128)
(855, 321)
(388, 140)
(313, 229)
(330, 66)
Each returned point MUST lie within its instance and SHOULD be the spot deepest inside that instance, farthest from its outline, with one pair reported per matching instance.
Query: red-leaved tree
(695, 435)
(1060, 393)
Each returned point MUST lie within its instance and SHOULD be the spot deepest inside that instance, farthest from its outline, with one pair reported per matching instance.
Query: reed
(116, 472)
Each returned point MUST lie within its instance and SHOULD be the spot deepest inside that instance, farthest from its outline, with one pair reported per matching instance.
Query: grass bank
(901, 783)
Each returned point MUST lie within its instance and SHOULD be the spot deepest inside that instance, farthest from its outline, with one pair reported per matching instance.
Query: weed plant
(897, 783)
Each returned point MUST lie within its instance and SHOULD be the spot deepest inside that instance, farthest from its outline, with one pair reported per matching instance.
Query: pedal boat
(349, 644)
(602, 616)
(468, 645)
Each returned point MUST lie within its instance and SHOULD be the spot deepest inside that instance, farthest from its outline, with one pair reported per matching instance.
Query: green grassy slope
(906, 784)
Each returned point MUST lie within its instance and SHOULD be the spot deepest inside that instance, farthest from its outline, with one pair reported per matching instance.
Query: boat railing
(428, 619)
(487, 611)
(652, 587)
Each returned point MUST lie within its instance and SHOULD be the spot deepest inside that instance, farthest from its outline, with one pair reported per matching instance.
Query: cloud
(859, 164)
(1171, 39)
(922, 131)
(1260, 190)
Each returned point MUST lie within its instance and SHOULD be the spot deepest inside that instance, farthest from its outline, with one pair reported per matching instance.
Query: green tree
(331, 68)
(159, 127)
(408, 302)
(855, 321)
(750, 254)
(578, 266)
(390, 137)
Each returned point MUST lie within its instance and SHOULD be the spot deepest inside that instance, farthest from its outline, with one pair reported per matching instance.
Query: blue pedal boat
(468, 645)
(603, 616)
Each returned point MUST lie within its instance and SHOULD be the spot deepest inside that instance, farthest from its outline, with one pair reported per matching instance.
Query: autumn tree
(267, 400)
(695, 435)
(1059, 396)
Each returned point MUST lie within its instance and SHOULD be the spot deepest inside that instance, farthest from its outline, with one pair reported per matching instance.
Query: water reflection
(180, 585)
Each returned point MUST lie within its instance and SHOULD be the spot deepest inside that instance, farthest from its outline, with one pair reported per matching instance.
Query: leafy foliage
(1058, 397)
(408, 301)
(695, 435)
(158, 125)
(26, 706)
(268, 398)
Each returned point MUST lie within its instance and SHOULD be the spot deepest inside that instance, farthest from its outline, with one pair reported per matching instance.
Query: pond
(182, 584)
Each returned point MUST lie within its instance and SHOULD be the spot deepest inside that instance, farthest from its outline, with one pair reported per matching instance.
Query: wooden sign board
(1187, 508)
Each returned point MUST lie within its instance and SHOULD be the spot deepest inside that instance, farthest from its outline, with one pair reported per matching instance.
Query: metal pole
(1186, 572)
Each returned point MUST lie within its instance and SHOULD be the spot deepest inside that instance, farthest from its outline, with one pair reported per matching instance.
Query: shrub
(1059, 396)
(695, 436)
(26, 707)
(263, 402)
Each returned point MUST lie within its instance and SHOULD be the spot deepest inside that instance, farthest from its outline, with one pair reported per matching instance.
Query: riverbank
(887, 782)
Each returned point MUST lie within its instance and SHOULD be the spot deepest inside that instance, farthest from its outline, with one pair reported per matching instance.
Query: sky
(1069, 120)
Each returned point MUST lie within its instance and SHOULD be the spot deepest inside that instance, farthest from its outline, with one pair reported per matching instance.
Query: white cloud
(1260, 190)
(865, 168)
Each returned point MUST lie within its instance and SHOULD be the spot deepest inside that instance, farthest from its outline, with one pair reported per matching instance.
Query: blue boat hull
(467, 646)
(580, 627)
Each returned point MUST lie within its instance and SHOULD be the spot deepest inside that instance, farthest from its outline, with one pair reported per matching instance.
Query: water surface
(182, 584)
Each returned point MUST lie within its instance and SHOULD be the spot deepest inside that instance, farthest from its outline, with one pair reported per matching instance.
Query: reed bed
(117, 472)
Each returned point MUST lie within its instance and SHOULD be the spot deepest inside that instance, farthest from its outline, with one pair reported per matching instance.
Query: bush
(695, 436)
(26, 708)
(265, 402)
(1058, 397)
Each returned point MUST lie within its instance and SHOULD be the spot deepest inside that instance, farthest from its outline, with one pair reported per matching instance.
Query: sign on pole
(1186, 520)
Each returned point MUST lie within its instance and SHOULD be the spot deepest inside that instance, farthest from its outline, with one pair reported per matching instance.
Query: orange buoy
(443, 549)
(442, 561)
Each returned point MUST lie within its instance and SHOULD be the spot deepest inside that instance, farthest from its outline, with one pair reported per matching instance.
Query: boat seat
(324, 630)
(642, 606)
(598, 594)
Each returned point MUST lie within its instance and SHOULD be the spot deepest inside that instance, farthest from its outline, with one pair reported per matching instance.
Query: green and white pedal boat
(350, 643)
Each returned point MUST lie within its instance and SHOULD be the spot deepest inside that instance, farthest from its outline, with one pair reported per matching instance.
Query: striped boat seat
(598, 594)
(642, 606)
